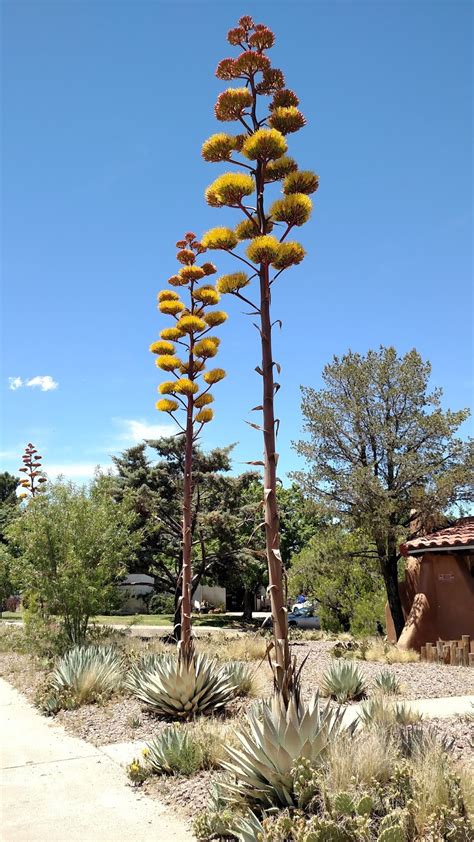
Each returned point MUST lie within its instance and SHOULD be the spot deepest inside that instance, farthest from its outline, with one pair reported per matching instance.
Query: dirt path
(57, 788)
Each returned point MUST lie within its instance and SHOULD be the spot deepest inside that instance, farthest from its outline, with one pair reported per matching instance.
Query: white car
(302, 616)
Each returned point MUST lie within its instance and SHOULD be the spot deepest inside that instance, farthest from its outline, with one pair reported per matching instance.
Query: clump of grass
(344, 682)
(388, 653)
(380, 712)
(387, 683)
(245, 647)
(13, 639)
(357, 761)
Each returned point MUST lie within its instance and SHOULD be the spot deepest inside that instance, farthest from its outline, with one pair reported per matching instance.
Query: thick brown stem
(272, 525)
(185, 646)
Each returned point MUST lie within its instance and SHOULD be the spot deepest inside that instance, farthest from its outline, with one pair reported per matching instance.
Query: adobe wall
(437, 599)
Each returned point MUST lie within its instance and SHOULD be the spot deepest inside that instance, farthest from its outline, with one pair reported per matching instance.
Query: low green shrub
(161, 603)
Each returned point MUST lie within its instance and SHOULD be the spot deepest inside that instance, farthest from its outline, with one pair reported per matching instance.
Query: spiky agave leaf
(344, 681)
(146, 665)
(88, 671)
(248, 828)
(273, 739)
(173, 752)
(180, 689)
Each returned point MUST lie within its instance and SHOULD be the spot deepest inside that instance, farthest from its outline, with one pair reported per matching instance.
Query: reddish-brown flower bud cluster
(32, 468)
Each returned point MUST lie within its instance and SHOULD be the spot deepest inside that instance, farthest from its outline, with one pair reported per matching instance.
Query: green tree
(381, 448)
(71, 544)
(225, 514)
(339, 569)
(9, 503)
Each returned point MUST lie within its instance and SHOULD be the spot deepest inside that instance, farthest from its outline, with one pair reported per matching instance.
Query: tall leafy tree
(381, 449)
(8, 501)
(224, 515)
(190, 388)
(266, 112)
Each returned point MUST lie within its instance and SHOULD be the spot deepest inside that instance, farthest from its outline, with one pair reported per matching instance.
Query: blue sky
(105, 107)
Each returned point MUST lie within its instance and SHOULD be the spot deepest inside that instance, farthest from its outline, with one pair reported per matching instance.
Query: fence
(455, 652)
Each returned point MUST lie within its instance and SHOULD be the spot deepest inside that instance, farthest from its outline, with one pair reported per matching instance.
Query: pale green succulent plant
(270, 743)
(343, 681)
(178, 689)
(174, 751)
(88, 672)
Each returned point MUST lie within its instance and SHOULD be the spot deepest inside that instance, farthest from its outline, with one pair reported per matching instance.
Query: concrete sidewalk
(56, 788)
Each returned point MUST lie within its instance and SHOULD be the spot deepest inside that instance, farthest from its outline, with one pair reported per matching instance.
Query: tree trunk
(249, 597)
(185, 645)
(390, 574)
(282, 665)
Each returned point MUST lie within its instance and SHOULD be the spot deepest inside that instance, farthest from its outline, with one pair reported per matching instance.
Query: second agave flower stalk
(187, 396)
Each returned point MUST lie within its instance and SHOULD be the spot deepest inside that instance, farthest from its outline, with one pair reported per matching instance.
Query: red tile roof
(460, 535)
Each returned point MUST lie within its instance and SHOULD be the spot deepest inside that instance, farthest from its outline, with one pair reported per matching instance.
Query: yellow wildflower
(168, 362)
(231, 283)
(247, 229)
(191, 324)
(220, 238)
(265, 145)
(262, 249)
(172, 333)
(230, 188)
(184, 386)
(232, 103)
(215, 317)
(206, 347)
(294, 209)
(171, 308)
(275, 170)
(218, 147)
(207, 294)
(203, 400)
(167, 295)
(286, 119)
(166, 405)
(301, 181)
(214, 375)
(289, 254)
(204, 415)
(162, 347)
(191, 273)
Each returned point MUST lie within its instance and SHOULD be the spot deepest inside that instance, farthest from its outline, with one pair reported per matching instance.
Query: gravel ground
(121, 719)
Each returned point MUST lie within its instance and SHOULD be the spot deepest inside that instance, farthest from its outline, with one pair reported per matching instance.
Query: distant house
(438, 592)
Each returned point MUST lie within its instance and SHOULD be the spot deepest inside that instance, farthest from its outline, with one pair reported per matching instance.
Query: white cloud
(44, 382)
(76, 470)
(14, 383)
(135, 431)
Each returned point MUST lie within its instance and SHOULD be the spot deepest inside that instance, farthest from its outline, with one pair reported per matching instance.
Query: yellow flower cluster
(231, 283)
(287, 119)
(172, 308)
(206, 347)
(204, 415)
(168, 295)
(166, 405)
(197, 366)
(214, 375)
(172, 333)
(206, 295)
(289, 254)
(167, 388)
(191, 273)
(232, 103)
(265, 145)
(301, 181)
(247, 229)
(185, 386)
(215, 318)
(294, 209)
(220, 238)
(263, 249)
(230, 188)
(177, 281)
(276, 170)
(168, 362)
(218, 147)
(162, 347)
(203, 400)
(191, 324)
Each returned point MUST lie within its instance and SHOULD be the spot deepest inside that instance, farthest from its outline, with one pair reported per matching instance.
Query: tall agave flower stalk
(266, 112)
(189, 392)
(34, 479)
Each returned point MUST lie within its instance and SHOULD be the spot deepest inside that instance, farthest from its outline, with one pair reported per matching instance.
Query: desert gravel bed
(417, 680)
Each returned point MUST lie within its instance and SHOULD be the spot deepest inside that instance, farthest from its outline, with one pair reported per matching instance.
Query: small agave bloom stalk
(33, 482)
(189, 390)
(259, 151)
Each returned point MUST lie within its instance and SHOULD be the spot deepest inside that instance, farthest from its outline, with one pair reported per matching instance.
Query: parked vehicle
(303, 616)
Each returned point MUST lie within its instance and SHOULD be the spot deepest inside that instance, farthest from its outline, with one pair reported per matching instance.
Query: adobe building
(438, 592)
